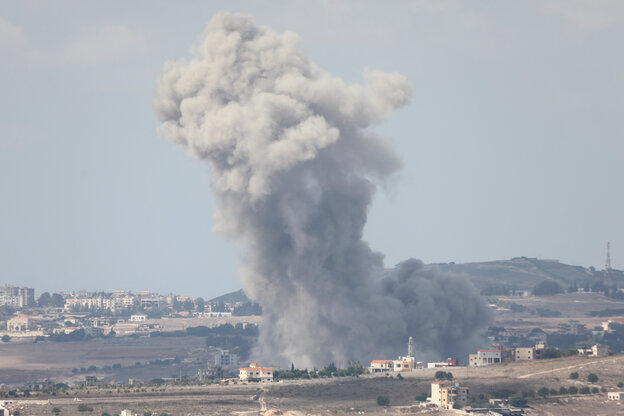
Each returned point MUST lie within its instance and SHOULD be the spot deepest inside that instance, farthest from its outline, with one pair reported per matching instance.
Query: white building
(595, 351)
(255, 372)
(496, 354)
(3, 410)
(381, 366)
(404, 364)
(138, 318)
(615, 395)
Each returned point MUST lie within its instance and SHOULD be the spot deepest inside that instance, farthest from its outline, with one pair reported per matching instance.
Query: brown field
(22, 362)
(572, 306)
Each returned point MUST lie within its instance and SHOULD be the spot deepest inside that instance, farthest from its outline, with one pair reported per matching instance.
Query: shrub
(547, 288)
(84, 408)
(502, 393)
(422, 397)
(56, 410)
(595, 390)
(6, 338)
(585, 390)
(381, 401)
(516, 400)
(551, 352)
(573, 390)
(592, 378)
(563, 390)
(543, 392)
(620, 384)
(573, 376)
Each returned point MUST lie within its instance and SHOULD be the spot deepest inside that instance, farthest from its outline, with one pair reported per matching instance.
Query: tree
(547, 288)
(551, 352)
(516, 400)
(595, 390)
(585, 390)
(574, 376)
(383, 401)
(6, 338)
(563, 390)
(58, 301)
(573, 390)
(56, 410)
(84, 408)
(443, 375)
(592, 378)
(44, 300)
(200, 304)
(543, 392)
(503, 393)
(422, 397)
(620, 384)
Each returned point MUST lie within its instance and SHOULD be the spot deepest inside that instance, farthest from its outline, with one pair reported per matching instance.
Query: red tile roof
(255, 369)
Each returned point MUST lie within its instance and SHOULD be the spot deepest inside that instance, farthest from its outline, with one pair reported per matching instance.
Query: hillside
(520, 273)
(232, 297)
(524, 273)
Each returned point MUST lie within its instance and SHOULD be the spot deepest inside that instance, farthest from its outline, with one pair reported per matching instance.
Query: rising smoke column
(293, 170)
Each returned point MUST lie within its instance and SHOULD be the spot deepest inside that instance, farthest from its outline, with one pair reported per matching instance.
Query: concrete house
(255, 372)
(380, 366)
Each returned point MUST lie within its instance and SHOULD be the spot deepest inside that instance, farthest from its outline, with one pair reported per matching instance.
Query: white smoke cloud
(294, 169)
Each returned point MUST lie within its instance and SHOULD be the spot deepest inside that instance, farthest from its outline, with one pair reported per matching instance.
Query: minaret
(608, 262)
(410, 347)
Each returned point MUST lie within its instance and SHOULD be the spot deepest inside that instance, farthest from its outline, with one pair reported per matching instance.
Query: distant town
(229, 326)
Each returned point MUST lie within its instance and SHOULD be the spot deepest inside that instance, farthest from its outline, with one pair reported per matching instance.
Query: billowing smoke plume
(293, 171)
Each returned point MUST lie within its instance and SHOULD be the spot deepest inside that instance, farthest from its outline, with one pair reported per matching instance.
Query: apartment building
(17, 296)
(449, 396)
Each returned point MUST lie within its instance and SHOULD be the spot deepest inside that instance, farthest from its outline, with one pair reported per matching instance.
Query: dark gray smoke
(293, 170)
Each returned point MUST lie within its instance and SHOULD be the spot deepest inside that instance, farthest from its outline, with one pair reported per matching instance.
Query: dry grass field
(571, 306)
(22, 362)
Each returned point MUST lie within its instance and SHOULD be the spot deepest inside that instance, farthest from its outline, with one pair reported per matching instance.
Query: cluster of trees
(607, 312)
(552, 352)
(597, 286)
(54, 300)
(383, 401)
(443, 375)
(547, 313)
(513, 306)
(247, 309)
(547, 288)
(353, 369)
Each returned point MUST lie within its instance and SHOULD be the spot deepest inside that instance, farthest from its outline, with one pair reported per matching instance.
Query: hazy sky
(513, 144)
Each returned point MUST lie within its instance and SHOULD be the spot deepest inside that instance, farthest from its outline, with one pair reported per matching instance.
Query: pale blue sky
(512, 145)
